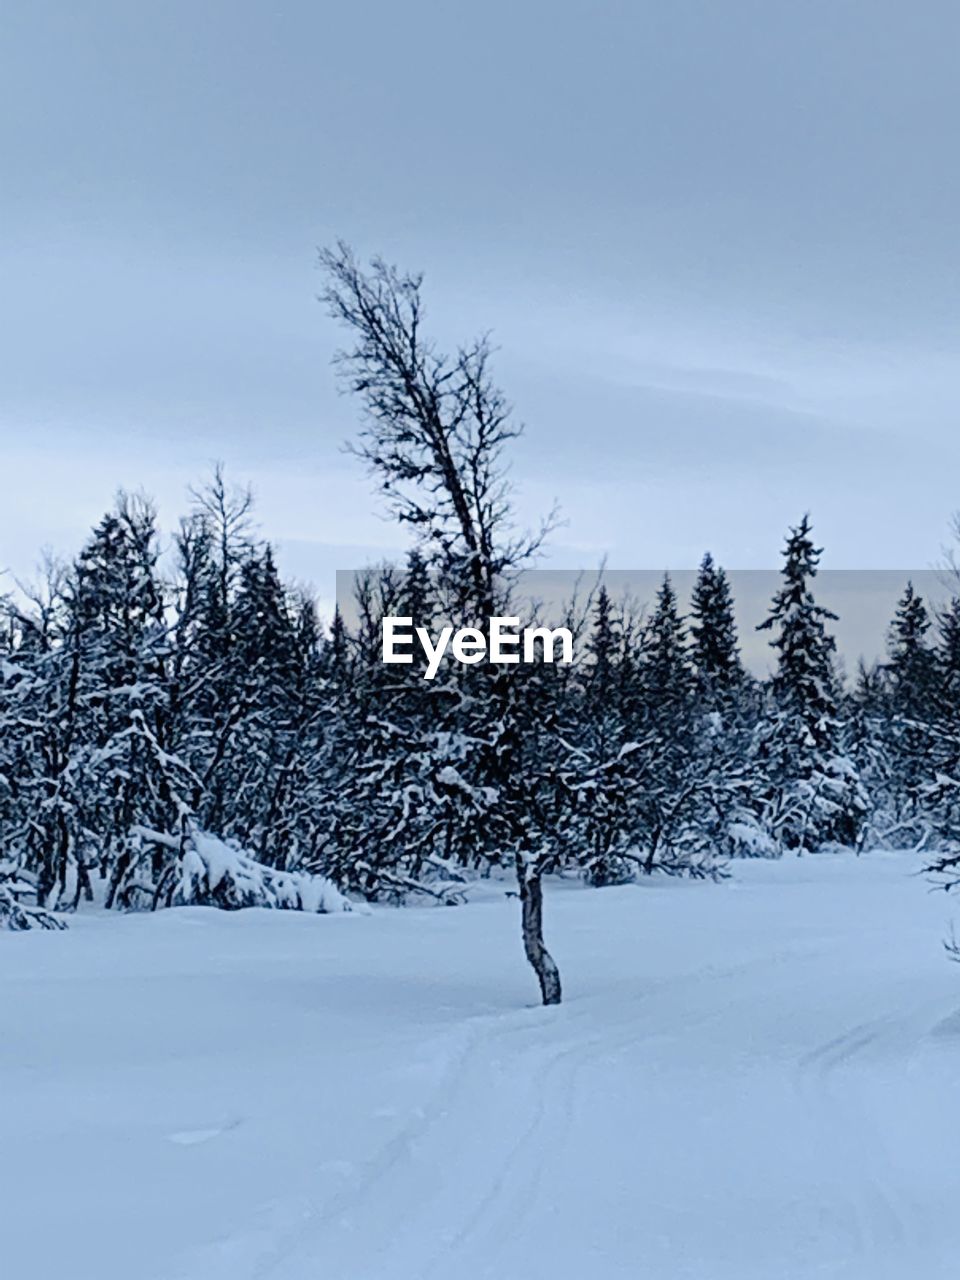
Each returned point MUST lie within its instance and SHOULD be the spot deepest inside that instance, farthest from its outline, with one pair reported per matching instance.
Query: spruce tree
(911, 662)
(142, 787)
(48, 712)
(947, 653)
(714, 647)
(911, 686)
(938, 795)
(41, 830)
(673, 783)
(727, 710)
(600, 764)
(812, 794)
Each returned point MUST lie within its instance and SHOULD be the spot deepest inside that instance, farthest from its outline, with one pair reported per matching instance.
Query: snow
(754, 1080)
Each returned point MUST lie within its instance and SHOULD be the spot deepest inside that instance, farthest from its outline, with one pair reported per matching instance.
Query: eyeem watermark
(503, 641)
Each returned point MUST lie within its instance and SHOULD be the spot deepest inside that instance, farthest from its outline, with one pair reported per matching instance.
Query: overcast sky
(716, 242)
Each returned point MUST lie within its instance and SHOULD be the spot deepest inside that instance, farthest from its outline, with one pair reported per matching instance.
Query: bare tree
(435, 427)
(435, 431)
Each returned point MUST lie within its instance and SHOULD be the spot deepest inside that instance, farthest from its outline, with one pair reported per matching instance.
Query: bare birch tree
(434, 434)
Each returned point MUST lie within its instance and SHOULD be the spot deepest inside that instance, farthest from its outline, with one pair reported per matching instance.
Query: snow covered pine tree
(812, 795)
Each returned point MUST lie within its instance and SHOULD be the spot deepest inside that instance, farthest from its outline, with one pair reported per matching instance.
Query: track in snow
(750, 1081)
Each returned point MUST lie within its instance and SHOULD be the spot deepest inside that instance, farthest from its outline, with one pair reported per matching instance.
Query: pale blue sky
(716, 242)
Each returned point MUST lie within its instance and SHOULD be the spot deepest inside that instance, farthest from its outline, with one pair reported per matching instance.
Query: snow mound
(211, 872)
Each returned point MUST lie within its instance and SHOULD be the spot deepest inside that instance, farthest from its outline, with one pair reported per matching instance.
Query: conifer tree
(672, 785)
(139, 783)
(911, 662)
(714, 647)
(728, 707)
(911, 687)
(812, 793)
(46, 713)
(947, 653)
(604, 784)
(264, 676)
(939, 796)
(867, 713)
(667, 671)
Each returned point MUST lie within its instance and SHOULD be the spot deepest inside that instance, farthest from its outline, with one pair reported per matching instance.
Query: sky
(715, 244)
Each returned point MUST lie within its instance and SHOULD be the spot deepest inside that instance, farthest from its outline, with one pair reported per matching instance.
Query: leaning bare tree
(435, 429)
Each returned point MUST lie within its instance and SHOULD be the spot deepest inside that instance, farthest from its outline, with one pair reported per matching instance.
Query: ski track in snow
(881, 1230)
(749, 1081)
(543, 1079)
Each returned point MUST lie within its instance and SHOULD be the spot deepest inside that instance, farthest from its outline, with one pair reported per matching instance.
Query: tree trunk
(531, 900)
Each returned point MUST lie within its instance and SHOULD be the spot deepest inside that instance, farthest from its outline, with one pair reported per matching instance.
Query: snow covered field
(752, 1081)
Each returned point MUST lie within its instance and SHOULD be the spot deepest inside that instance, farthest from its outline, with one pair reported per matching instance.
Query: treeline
(177, 726)
(140, 704)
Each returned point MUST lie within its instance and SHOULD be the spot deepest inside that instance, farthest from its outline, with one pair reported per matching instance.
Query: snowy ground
(750, 1081)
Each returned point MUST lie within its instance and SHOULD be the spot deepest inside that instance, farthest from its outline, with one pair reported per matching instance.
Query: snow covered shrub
(212, 873)
(202, 870)
(746, 837)
(16, 911)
